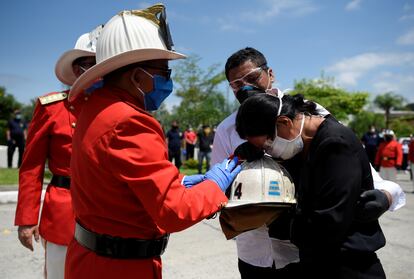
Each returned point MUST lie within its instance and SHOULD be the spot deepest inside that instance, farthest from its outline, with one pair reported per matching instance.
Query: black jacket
(329, 181)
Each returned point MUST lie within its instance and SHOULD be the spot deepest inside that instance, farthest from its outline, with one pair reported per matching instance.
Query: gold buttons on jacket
(73, 124)
(71, 107)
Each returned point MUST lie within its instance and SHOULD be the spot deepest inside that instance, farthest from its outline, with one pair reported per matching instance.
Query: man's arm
(391, 189)
(8, 136)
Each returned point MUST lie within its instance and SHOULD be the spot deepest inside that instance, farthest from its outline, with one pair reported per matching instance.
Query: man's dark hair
(243, 55)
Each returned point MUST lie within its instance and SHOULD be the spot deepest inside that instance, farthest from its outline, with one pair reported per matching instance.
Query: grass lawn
(11, 176)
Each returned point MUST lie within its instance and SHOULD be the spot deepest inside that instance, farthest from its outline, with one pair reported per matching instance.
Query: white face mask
(283, 148)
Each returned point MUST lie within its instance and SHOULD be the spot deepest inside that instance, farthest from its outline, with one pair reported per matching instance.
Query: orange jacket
(49, 139)
(123, 185)
(389, 154)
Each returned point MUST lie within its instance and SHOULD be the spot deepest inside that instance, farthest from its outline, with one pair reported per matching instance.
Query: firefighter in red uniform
(389, 156)
(50, 139)
(126, 195)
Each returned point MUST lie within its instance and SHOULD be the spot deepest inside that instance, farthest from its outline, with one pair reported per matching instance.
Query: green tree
(361, 122)
(410, 106)
(388, 101)
(27, 110)
(201, 100)
(163, 116)
(402, 127)
(337, 101)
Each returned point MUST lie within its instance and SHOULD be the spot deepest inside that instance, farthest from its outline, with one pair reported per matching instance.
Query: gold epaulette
(53, 98)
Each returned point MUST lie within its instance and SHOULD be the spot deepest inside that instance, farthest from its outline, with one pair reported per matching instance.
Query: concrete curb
(11, 196)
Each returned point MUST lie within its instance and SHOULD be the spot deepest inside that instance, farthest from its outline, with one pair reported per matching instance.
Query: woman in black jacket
(330, 169)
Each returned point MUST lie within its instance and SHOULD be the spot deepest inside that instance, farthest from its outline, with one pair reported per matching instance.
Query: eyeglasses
(166, 72)
(250, 78)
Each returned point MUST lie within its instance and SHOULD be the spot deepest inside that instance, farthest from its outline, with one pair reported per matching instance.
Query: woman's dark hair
(243, 55)
(257, 115)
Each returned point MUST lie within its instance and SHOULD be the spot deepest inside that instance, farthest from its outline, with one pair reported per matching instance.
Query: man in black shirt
(16, 136)
(174, 137)
(205, 143)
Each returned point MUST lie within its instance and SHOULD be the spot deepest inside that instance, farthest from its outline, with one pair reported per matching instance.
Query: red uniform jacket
(49, 139)
(123, 185)
(389, 154)
(411, 151)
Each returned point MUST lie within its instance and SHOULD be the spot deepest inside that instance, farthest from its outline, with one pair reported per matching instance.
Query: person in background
(389, 156)
(49, 141)
(371, 141)
(16, 133)
(127, 196)
(174, 138)
(190, 141)
(205, 143)
(411, 159)
(405, 145)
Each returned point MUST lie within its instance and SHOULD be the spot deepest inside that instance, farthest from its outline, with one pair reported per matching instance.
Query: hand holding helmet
(224, 173)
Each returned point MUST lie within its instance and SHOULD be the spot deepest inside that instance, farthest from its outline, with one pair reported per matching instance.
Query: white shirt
(256, 247)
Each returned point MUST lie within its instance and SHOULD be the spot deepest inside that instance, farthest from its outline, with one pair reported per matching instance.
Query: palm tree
(388, 101)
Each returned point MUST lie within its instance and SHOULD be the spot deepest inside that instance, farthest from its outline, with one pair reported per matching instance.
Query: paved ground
(202, 252)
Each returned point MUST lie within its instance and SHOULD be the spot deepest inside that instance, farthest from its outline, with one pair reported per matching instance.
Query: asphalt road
(202, 251)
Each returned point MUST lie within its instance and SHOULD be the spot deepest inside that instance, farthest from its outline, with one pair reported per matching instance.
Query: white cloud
(144, 5)
(353, 5)
(407, 7)
(408, 14)
(407, 38)
(399, 83)
(266, 10)
(11, 80)
(288, 8)
(349, 70)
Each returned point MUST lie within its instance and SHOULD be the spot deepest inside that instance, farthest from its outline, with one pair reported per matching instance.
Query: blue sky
(366, 45)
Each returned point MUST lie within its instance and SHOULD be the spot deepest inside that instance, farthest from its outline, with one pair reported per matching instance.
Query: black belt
(120, 248)
(60, 181)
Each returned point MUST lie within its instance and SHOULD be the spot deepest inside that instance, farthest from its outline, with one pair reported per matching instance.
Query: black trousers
(11, 148)
(176, 155)
(189, 151)
(347, 266)
(248, 271)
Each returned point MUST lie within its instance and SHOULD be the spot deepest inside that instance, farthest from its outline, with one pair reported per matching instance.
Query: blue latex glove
(191, 180)
(224, 173)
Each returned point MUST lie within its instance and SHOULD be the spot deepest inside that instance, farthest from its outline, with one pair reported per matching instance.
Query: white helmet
(85, 46)
(261, 193)
(264, 182)
(389, 132)
(129, 37)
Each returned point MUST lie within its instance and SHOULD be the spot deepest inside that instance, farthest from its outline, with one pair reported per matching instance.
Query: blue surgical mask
(162, 89)
(246, 92)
